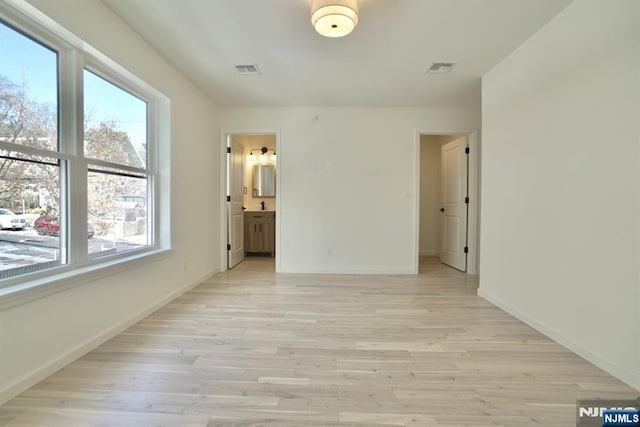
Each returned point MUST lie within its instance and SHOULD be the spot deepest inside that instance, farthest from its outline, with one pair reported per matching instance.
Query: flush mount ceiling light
(334, 18)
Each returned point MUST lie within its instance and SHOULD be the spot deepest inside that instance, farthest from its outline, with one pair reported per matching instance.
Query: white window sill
(25, 292)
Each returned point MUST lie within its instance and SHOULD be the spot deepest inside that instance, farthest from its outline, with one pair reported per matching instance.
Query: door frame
(223, 226)
(473, 222)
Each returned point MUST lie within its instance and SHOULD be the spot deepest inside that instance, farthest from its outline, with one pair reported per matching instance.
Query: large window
(77, 154)
(115, 146)
(30, 168)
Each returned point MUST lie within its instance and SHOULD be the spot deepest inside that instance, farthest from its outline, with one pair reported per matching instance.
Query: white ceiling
(382, 63)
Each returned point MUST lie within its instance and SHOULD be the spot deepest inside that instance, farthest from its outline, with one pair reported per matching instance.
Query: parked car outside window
(49, 226)
(9, 220)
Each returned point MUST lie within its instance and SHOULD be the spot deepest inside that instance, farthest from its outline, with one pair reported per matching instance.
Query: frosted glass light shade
(334, 18)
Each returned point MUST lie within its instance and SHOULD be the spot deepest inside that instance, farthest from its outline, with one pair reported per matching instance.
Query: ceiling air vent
(441, 67)
(250, 69)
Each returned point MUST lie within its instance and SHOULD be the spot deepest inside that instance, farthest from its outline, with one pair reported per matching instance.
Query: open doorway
(448, 201)
(250, 171)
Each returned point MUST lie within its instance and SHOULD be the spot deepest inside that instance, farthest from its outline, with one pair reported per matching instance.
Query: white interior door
(455, 203)
(235, 201)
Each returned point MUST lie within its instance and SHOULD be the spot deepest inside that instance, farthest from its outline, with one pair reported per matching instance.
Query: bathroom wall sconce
(263, 154)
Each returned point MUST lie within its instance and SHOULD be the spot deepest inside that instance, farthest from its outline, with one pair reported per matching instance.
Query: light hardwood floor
(250, 347)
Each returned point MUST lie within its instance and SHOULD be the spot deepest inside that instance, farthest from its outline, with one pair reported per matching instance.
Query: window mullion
(80, 208)
(74, 188)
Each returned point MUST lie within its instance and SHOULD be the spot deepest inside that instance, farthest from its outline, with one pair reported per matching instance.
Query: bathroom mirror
(264, 181)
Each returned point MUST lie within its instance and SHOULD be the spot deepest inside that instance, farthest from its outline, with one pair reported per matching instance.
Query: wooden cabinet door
(269, 235)
(260, 232)
(252, 236)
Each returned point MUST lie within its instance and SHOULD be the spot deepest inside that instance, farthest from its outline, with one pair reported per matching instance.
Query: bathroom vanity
(260, 232)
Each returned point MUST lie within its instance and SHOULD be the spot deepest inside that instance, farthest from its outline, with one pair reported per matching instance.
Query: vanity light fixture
(334, 18)
(263, 154)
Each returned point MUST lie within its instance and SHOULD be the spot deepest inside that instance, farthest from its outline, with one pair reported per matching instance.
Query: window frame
(150, 171)
(74, 56)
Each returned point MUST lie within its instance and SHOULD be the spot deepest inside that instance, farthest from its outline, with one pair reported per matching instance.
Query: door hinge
(229, 150)
(228, 247)
(228, 198)
(466, 200)
(466, 249)
(466, 150)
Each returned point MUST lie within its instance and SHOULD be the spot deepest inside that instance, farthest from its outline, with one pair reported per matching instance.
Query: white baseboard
(359, 272)
(40, 373)
(622, 374)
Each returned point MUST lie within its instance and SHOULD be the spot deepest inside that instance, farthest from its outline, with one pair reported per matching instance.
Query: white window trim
(74, 56)
(31, 290)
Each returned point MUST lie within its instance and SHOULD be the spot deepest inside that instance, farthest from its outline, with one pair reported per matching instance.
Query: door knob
(441, 209)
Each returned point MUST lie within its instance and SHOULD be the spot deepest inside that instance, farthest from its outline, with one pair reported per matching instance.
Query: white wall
(45, 334)
(348, 183)
(431, 192)
(560, 188)
(430, 195)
